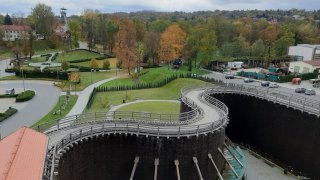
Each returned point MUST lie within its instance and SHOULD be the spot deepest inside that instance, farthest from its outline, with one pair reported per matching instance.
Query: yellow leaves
(171, 43)
(74, 77)
(94, 64)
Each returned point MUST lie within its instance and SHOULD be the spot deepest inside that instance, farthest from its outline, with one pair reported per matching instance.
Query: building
(13, 32)
(303, 67)
(305, 52)
(22, 155)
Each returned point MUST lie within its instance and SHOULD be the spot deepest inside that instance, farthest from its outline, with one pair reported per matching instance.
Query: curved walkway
(45, 99)
(114, 108)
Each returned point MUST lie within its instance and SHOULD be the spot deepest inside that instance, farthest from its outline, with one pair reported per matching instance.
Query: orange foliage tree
(171, 43)
(126, 45)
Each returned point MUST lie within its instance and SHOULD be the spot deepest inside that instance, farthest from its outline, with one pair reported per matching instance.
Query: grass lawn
(152, 75)
(38, 59)
(51, 116)
(170, 91)
(75, 55)
(153, 107)
(85, 80)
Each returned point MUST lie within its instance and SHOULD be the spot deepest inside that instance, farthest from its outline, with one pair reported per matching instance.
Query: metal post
(176, 163)
(215, 166)
(195, 160)
(24, 88)
(136, 161)
(156, 164)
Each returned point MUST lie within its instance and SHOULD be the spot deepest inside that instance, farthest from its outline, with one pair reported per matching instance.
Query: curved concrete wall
(287, 135)
(112, 157)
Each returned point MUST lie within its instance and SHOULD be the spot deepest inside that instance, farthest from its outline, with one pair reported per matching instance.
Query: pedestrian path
(83, 97)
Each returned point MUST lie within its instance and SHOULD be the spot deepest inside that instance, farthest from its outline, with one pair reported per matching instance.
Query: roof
(313, 62)
(22, 155)
(15, 27)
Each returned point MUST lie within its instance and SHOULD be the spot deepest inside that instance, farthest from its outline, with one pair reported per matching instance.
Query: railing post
(70, 137)
(58, 124)
(91, 130)
(114, 115)
(80, 133)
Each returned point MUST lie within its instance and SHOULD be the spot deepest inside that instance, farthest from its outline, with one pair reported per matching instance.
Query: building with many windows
(12, 32)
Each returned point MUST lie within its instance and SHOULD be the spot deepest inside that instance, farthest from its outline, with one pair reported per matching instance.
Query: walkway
(114, 108)
(45, 99)
(83, 97)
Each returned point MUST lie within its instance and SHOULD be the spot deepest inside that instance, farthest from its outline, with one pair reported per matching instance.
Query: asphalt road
(45, 99)
(284, 87)
(3, 65)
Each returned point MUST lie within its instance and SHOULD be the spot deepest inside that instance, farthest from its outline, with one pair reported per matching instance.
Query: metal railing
(295, 101)
(152, 128)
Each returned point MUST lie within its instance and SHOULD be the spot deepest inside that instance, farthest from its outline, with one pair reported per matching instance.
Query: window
(305, 70)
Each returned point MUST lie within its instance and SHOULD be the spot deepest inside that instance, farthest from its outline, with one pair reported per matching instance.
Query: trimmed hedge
(25, 96)
(36, 73)
(8, 95)
(80, 60)
(307, 76)
(9, 112)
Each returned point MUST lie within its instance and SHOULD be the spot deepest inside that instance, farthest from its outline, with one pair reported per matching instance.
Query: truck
(235, 65)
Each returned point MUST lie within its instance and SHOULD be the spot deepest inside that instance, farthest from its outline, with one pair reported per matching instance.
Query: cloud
(77, 6)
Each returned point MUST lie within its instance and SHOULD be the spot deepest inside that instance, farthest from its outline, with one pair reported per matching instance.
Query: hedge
(80, 60)
(307, 76)
(9, 112)
(25, 96)
(45, 74)
(8, 95)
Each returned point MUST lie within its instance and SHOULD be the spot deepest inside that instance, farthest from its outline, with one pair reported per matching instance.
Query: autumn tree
(94, 64)
(106, 64)
(112, 30)
(42, 19)
(171, 43)
(126, 45)
(88, 25)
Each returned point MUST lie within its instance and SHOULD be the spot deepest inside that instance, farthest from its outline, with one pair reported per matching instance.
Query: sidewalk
(83, 97)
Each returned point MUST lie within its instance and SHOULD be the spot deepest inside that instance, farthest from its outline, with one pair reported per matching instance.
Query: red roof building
(22, 155)
(12, 32)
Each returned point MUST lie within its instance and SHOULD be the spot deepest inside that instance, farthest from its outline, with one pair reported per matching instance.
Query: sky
(23, 7)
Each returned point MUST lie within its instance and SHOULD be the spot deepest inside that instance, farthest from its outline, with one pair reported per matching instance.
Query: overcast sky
(77, 6)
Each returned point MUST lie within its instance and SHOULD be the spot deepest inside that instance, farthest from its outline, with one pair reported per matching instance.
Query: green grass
(51, 116)
(38, 59)
(153, 107)
(170, 91)
(113, 62)
(75, 55)
(85, 80)
(153, 75)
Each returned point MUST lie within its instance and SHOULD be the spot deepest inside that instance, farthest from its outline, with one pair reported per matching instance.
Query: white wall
(301, 67)
(306, 52)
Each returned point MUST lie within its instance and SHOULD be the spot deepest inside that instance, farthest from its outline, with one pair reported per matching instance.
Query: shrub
(106, 64)
(25, 96)
(9, 112)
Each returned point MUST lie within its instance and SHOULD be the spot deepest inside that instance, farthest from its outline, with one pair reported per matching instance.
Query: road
(284, 87)
(45, 99)
(3, 65)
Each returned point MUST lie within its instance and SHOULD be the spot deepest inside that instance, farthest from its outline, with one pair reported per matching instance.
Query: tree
(152, 42)
(65, 65)
(88, 25)
(74, 28)
(283, 43)
(7, 20)
(140, 54)
(126, 45)
(171, 43)
(16, 51)
(106, 64)
(42, 19)
(94, 64)
(258, 48)
(112, 30)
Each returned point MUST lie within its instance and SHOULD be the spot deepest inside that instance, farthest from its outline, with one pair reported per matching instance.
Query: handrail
(295, 101)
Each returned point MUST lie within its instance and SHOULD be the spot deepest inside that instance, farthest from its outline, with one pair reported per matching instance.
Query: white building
(12, 32)
(305, 52)
(303, 67)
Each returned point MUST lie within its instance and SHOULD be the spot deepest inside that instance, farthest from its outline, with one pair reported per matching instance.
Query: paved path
(45, 99)
(83, 97)
(3, 65)
(114, 108)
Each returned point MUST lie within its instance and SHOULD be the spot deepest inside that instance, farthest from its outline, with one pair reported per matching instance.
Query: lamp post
(24, 88)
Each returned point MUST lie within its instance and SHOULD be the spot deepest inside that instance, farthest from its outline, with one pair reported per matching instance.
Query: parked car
(310, 92)
(10, 91)
(265, 83)
(229, 76)
(300, 90)
(316, 85)
(248, 80)
(313, 81)
(273, 85)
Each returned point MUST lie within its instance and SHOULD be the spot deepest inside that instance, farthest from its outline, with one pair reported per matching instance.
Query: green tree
(74, 28)
(258, 48)
(42, 19)
(65, 65)
(112, 30)
(7, 20)
(283, 43)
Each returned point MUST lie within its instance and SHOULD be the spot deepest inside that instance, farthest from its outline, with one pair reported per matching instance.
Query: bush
(25, 96)
(9, 112)
(79, 60)
(106, 64)
(306, 76)
(8, 95)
